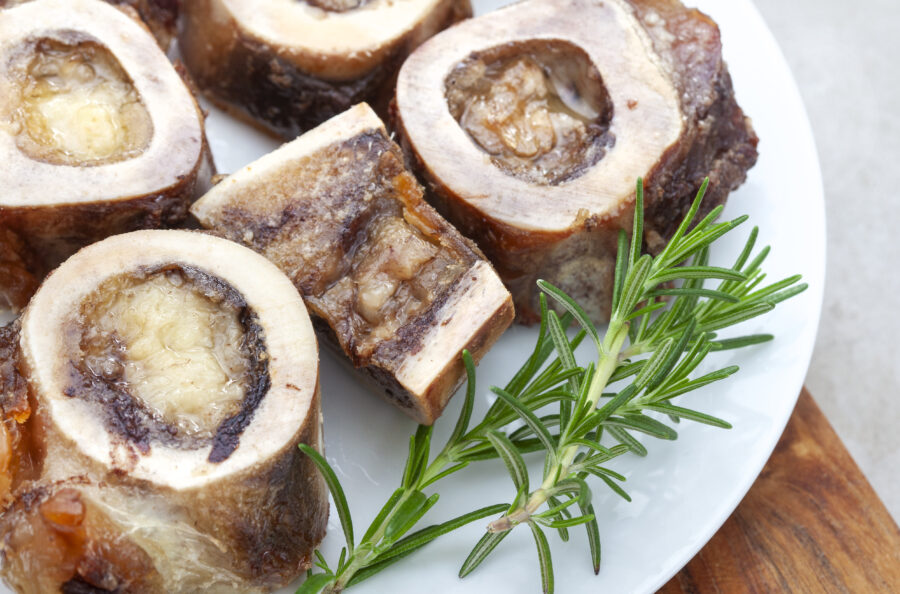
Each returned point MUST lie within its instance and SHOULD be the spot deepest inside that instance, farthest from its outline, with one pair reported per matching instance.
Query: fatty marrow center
(539, 108)
(77, 106)
(172, 356)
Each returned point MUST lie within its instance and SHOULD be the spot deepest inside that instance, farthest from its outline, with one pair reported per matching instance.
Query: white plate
(684, 490)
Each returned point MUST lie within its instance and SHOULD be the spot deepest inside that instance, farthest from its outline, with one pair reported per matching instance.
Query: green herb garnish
(657, 336)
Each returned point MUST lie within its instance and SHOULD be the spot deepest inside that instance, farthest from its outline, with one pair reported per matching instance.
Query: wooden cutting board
(810, 523)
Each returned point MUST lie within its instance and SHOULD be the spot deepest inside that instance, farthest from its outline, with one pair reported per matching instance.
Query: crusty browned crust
(720, 142)
(717, 142)
(259, 83)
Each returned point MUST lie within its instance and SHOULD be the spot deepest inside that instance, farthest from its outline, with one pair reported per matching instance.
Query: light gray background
(846, 60)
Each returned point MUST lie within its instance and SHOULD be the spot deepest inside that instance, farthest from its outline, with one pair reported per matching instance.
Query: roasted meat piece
(530, 126)
(289, 65)
(390, 283)
(154, 392)
(98, 132)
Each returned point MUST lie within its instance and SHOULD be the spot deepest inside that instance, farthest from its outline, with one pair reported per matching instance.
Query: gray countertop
(846, 60)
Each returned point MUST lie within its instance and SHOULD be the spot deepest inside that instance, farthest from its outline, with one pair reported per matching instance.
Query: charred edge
(124, 415)
(722, 144)
(365, 147)
(387, 381)
(382, 378)
(338, 5)
(10, 379)
(228, 433)
(724, 154)
(77, 585)
(131, 419)
(157, 13)
(280, 539)
(289, 100)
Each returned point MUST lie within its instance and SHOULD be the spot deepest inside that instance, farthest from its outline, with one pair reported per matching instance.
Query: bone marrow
(98, 133)
(289, 65)
(77, 106)
(530, 125)
(170, 355)
(156, 388)
(389, 282)
(539, 108)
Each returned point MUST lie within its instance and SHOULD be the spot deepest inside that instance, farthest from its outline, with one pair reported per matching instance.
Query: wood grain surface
(811, 523)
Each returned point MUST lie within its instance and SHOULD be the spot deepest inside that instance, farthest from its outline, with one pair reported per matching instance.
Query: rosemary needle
(662, 326)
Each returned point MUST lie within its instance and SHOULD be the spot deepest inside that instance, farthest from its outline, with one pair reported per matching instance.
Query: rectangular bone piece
(389, 282)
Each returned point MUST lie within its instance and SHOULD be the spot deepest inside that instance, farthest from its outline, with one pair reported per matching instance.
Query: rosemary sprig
(387, 540)
(677, 334)
(658, 334)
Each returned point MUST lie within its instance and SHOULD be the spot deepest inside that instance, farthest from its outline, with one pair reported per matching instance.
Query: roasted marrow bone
(154, 392)
(98, 133)
(289, 65)
(389, 282)
(160, 16)
(530, 126)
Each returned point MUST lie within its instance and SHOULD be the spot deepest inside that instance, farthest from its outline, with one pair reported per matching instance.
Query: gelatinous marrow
(98, 133)
(56, 539)
(530, 126)
(292, 64)
(19, 459)
(160, 16)
(390, 283)
(170, 376)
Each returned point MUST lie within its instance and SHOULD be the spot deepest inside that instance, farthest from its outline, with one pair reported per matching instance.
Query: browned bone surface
(248, 58)
(391, 283)
(60, 60)
(810, 523)
(102, 488)
(160, 16)
(530, 126)
(17, 271)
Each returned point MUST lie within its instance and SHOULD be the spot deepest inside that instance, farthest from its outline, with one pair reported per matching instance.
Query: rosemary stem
(609, 350)
(363, 555)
